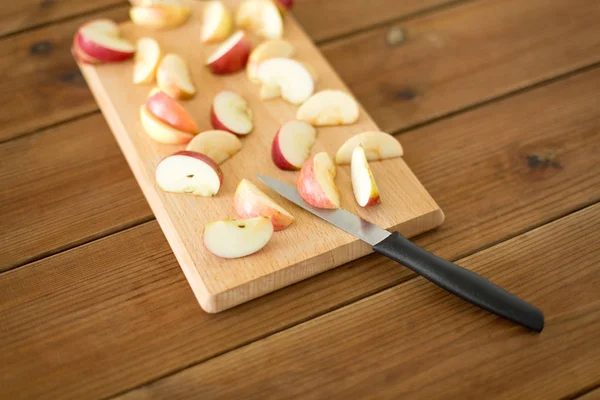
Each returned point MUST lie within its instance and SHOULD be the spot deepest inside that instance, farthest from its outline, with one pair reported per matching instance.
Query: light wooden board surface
(309, 246)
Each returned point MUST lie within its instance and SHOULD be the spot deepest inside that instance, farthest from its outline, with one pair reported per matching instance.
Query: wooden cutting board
(307, 247)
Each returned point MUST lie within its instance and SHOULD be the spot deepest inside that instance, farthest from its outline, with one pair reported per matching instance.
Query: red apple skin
(216, 123)
(284, 5)
(234, 60)
(169, 111)
(80, 55)
(278, 157)
(203, 158)
(373, 201)
(309, 188)
(247, 209)
(101, 53)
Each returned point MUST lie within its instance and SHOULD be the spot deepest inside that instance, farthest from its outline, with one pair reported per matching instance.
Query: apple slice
(329, 107)
(249, 201)
(160, 131)
(100, 40)
(160, 14)
(189, 172)
(217, 22)
(364, 187)
(268, 92)
(80, 55)
(274, 48)
(169, 111)
(377, 146)
(292, 144)
(218, 145)
(230, 112)
(173, 77)
(284, 5)
(294, 80)
(237, 238)
(147, 56)
(316, 183)
(261, 17)
(231, 56)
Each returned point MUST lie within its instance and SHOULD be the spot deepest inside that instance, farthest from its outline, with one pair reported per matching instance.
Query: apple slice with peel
(169, 111)
(173, 77)
(216, 22)
(364, 187)
(274, 48)
(261, 17)
(80, 55)
(237, 238)
(329, 107)
(189, 172)
(292, 144)
(160, 14)
(147, 56)
(230, 112)
(101, 40)
(160, 131)
(231, 56)
(284, 5)
(316, 182)
(249, 201)
(293, 79)
(218, 145)
(377, 146)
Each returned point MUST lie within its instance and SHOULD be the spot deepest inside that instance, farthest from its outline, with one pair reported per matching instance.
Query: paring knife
(455, 279)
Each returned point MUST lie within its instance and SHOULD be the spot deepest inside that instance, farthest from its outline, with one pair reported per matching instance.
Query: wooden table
(496, 103)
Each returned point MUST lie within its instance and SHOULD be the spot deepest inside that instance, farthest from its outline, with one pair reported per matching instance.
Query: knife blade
(455, 279)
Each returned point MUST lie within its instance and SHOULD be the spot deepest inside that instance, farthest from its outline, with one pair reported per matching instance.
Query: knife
(455, 279)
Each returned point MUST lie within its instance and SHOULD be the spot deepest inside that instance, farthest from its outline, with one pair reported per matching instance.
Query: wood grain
(417, 341)
(465, 55)
(119, 312)
(288, 258)
(25, 14)
(592, 395)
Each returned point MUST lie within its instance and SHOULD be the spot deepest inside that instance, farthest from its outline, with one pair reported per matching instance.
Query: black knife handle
(461, 282)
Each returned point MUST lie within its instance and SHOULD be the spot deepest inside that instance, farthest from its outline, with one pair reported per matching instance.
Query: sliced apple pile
(316, 182)
(364, 187)
(261, 17)
(249, 201)
(147, 57)
(329, 107)
(216, 23)
(292, 144)
(173, 77)
(376, 145)
(218, 145)
(99, 41)
(160, 131)
(231, 56)
(160, 14)
(274, 48)
(189, 172)
(290, 76)
(230, 112)
(169, 111)
(237, 238)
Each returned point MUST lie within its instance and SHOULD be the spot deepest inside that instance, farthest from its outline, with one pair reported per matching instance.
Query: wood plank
(417, 341)
(406, 206)
(25, 14)
(594, 394)
(125, 295)
(465, 55)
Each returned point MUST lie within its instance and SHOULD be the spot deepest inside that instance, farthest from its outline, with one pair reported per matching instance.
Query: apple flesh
(189, 172)
(292, 144)
(231, 56)
(230, 112)
(173, 77)
(147, 56)
(249, 201)
(364, 187)
(237, 238)
(160, 131)
(376, 145)
(293, 79)
(316, 182)
(329, 107)
(261, 17)
(274, 48)
(169, 111)
(101, 40)
(159, 15)
(216, 22)
(218, 145)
